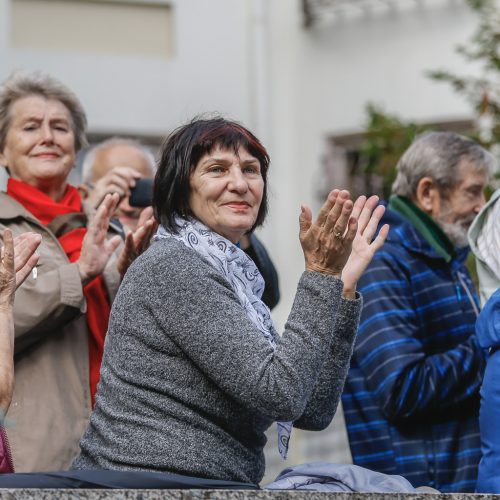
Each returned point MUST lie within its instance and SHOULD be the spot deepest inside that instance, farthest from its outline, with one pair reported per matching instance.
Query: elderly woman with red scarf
(61, 311)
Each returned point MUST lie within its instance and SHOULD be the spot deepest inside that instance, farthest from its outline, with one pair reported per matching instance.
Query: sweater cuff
(325, 287)
(348, 315)
(317, 299)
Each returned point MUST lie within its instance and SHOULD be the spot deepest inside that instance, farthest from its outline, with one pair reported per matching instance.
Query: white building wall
(209, 71)
(321, 80)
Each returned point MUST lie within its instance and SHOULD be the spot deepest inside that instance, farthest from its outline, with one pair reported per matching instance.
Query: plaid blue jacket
(411, 398)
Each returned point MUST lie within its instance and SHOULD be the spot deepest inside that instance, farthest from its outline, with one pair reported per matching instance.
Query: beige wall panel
(105, 27)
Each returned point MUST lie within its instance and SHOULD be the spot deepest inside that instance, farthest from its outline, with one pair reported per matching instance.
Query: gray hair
(20, 85)
(437, 155)
(88, 161)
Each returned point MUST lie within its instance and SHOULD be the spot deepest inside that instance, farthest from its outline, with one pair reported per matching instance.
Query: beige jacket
(51, 403)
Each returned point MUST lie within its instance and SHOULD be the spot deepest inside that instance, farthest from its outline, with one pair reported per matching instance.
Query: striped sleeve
(390, 348)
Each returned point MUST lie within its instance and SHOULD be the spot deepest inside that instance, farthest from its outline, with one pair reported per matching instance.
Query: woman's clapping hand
(137, 241)
(341, 241)
(327, 242)
(17, 258)
(368, 213)
(96, 248)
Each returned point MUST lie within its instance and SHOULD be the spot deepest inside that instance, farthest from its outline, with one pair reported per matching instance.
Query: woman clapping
(194, 371)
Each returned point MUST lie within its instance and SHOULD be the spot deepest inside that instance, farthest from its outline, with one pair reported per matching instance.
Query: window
(346, 158)
(104, 27)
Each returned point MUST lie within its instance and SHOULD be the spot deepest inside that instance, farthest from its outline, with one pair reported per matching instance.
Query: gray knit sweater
(189, 384)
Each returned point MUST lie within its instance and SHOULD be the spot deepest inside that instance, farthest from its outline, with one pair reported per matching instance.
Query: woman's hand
(327, 243)
(137, 241)
(96, 249)
(17, 258)
(368, 215)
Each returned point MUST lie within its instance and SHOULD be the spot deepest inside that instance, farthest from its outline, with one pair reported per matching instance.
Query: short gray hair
(20, 85)
(88, 161)
(438, 155)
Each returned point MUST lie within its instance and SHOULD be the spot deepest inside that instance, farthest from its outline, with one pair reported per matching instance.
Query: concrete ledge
(80, 494)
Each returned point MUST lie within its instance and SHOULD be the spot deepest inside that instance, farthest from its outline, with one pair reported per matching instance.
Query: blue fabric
(411, 399)
(324, 476)
(488, 332)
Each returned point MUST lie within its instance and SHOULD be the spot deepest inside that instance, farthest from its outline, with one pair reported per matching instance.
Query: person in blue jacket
(411, 400)
(488, 333)
(484, 238)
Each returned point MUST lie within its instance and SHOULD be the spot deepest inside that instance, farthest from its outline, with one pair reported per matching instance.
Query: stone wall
(41, 494)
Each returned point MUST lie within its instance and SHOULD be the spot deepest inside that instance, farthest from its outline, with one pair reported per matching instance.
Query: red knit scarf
(45, 209)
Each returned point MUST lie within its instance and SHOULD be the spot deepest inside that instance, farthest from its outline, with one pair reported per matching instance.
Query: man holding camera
(121, 166)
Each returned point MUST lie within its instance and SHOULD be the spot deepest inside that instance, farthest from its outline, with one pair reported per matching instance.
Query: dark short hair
(180, 154)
